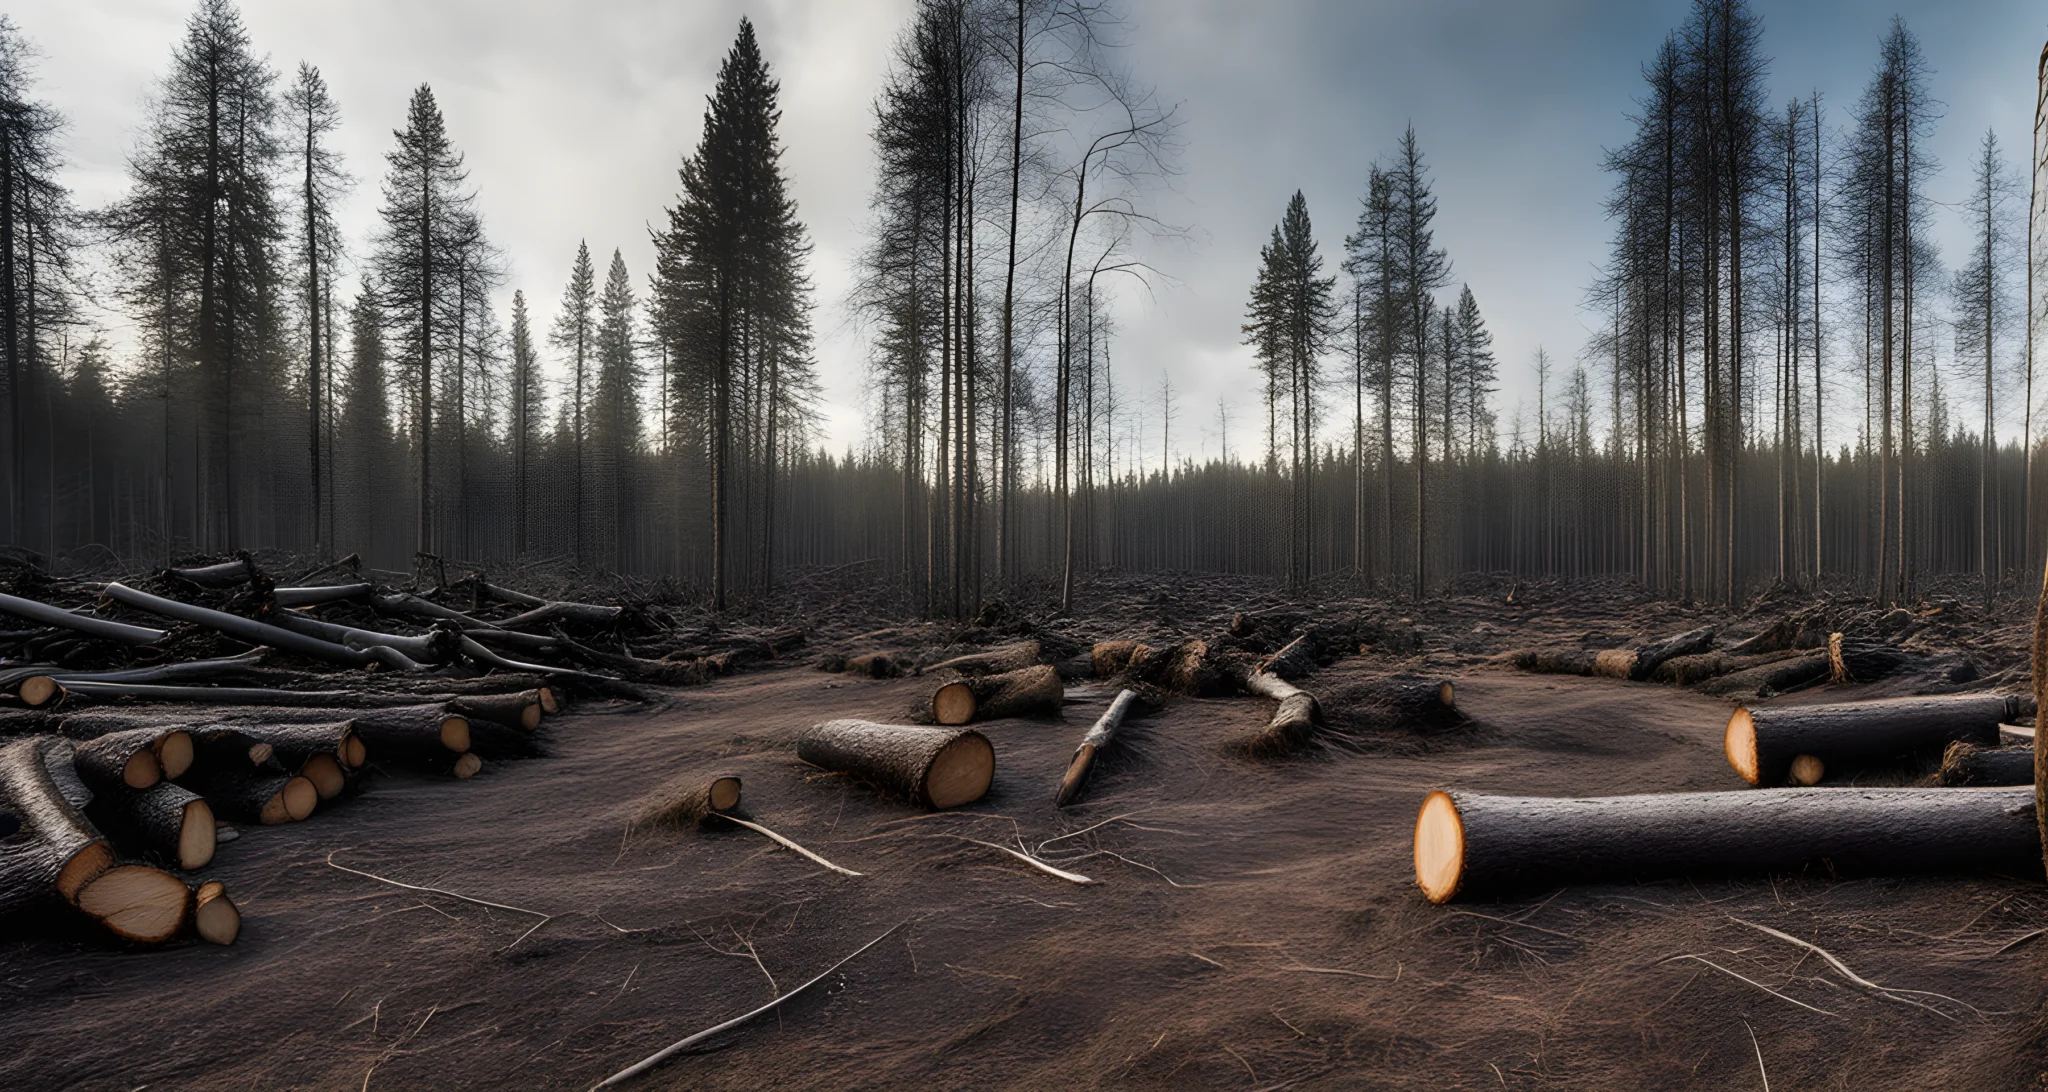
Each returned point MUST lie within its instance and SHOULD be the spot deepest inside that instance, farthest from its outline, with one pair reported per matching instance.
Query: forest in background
(1752, 411)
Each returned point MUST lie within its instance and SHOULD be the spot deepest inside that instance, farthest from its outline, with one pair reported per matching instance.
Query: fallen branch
(787, 844)
(669, 1051)
(544, 918)
(1099, 737)
(240, 628)
(48, 615)
(1886, 992)
(1070, 877)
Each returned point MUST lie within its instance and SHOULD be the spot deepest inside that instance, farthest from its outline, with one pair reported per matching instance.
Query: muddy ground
(1253, 924)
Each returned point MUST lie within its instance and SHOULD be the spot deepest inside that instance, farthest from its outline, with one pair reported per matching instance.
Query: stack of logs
(126, 757)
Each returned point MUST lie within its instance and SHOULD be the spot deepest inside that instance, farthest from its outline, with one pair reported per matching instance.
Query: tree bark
(136, 758)
(243, 629)
(694, 801)
(1761, 742)
(45, 614)
(168, 822)
(1033, 691)
(933, 767)
(1970, 764)
(418, 735)
(265, 795)
(1099, 737)
(53, 850)
(1472, 844)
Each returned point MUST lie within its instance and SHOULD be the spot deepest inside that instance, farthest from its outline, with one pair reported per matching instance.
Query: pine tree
(527, 416)
(575, 334)
(615, 406)
(313, 118)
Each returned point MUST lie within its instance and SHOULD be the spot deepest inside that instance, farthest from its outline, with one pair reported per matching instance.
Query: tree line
(1776, 391)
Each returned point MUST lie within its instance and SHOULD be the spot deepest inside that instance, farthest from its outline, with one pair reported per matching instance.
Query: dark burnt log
(135, 759)
(1761, 741)
(877, 665)
(1698, 668)
(495, 741)
(420, 736)
(92, 690)
(53, 851)
(1097, 739)
(352, 564)
(934, 767)
(1409, 701)
(318, 596)
(1651, 656)
(1032, 691)
(693, 801)
(1768, 679)
(168, 822)
(598, 684)
(37, 689)
(101, 628)
(1854, 663)
(1971, 764)
(224, 574)
(994, 661)
(522, 710)
(431, 648)
(658, 672)
(1613, 663)
(591, 615)
(242, 629)
(262, 794)
(1473, 844)
(1295, 660)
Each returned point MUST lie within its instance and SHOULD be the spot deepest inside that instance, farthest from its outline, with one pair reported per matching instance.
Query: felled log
(60, 761)
(994, 661)
(136, 759)
(1699, 667)
(1650, 657)
(53, 850)
(214, 916)
(227, 748)
(1613, 663)
(35, 690)
(317, 596)
(1972, 764)
(416, 735)
(104, 629)
(522, 709)
(1294, 719)
(1194, 670)
(935, 767)
(225, 574)
(1849, 663)
(95, 690)
(1098, 738)
(1295, 660)
(875, 665)
(490, 740)
(427, 648)
(1031, 691)
(1767, 679)
(325, 754)
(1478, 844)
(265, 795)
(1409, 700)
(171, 823)
(690, 802)
(240, 628)
(588, 614)
(1111, 657)
(1761, 742)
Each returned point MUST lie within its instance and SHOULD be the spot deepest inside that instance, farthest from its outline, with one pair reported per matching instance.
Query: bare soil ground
(1253, 924)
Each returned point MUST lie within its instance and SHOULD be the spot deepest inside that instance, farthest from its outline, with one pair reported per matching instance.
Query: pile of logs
(1780, 659)
(137, 724)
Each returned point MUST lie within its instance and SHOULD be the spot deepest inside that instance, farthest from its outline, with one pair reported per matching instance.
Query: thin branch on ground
(1070, 877)
(787, 844)
(1752, 982)
(1886, 992)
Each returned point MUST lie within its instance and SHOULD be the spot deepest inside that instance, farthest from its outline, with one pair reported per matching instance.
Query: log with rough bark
(240, 628)
(214, 916)
(418, 735)
(2038, 661)
(38, 689)
(167, 821)
(1476, 844)
(1033, 691)
(1099, 737)
(994, 661)
(1849, 663)
(1409, 700)
(1971, 764)
(104, 629)
(1649, 657)
(876, 665)
(935, 767)
(522, 709)
(1613, 663)
(1295, 660)
(93, 690)
(60, 761)
(1699, 667)
(325, 754)
(265, 795)
(586, 614)
(135, 759)
(53, 850)
(1294, 721)
(138, 903)
(1761, 741)
(693, 801)
(1768, 679)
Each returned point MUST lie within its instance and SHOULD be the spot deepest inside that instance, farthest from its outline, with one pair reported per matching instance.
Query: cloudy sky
(574, 114)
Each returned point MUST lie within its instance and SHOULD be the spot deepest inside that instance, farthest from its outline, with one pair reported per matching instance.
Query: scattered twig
(1342, 971)
(544, 918)
(1843, 968)
(685, 1043)
(1070, 877)
(787, 844)
(1752, 982)
(1761, 1071)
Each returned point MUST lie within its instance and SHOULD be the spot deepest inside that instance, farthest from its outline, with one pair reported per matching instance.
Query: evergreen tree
(615, 407)
(575, 334)
(313, 118)
(526, 414)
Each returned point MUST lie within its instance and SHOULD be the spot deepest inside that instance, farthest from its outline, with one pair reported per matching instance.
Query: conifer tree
(575, 335)
(312, 119)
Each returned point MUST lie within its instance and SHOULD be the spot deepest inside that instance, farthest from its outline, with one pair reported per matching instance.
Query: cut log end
(197, 835)
(291, 803)
(953, 704)
(548, 702)
(1739, 744)
(455, 734)
(466, 766)
(38, 689)
(724, 794)
(691, 802)
(1447, 694)
(174, 753)
(961, 773)
(353, 753)
(1807, 770)
(1615, 663)
(214, 916)
(325, 774)
(137, 902)
(86, 865)
(141, 770)
(1439, 848)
